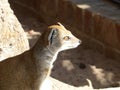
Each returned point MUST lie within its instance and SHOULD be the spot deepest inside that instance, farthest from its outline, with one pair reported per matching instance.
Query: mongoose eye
(66, 38)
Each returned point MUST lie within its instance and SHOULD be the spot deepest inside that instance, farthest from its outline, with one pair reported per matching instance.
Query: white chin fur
(68, 47)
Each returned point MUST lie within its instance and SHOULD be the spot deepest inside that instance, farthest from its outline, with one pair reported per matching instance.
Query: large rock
(13, 40)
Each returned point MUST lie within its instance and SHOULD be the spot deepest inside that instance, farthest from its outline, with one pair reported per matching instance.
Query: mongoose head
(59, 38)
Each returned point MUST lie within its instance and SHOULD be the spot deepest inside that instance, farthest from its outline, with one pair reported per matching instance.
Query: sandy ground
(73, 67)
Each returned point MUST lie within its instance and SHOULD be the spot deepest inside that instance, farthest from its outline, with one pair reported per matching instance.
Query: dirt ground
(74, 66)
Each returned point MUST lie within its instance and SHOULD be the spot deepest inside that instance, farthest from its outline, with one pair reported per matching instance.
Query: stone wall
(97, 22)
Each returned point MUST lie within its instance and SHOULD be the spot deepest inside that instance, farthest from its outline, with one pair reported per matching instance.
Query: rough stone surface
(118, 33)
(70, 13)
(88, 22)
(110, 33)
(61, 11)
(13, 40)
(52, 9)
(79, 19)
(98, 30)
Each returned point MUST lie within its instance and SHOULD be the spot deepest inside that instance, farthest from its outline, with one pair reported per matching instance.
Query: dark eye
(66, 38)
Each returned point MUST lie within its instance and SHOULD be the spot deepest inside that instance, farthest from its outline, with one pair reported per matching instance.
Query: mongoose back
(29, 70)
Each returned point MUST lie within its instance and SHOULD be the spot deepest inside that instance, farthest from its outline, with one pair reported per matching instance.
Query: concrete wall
(96, 21)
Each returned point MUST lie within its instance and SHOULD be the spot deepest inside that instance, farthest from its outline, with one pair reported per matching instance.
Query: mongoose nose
(80, 41)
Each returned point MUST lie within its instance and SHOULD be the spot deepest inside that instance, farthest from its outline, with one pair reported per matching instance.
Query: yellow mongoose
(29, 70)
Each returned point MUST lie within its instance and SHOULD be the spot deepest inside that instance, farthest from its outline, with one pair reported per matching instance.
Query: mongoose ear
(52, 35)
(60, 25)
